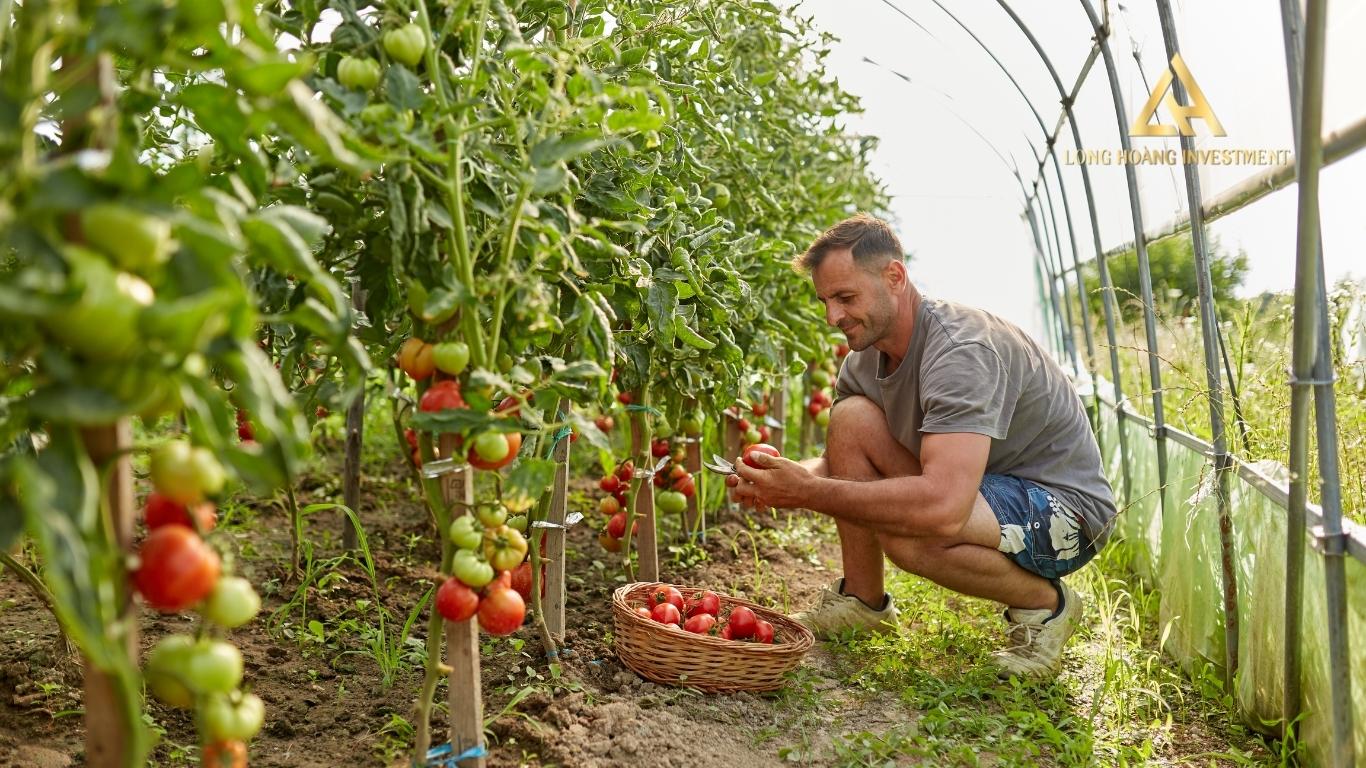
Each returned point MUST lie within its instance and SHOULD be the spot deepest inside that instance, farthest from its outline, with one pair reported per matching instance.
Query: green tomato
(491, 447)
(451, 357)
(359, 72)
(671, 502)
(186, 474)
(753, 436)
(213, 666)
(135, 240)
(471, 569)
(720, 195)
(823, 417)
(232, 603)
(102, 324)
(691, 425)
(505, 363)
(465, 533)
(406, 44)
(820, 377)
(236, 717)
(165, 669)
(517, 523)
(493, 516)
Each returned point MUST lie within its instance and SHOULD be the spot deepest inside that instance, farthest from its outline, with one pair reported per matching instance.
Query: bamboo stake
(555, 538)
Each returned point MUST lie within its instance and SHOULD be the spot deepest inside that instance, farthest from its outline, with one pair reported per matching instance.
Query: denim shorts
(1037, 531)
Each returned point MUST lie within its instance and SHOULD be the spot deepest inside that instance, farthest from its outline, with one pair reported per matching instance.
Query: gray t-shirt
(967, 370)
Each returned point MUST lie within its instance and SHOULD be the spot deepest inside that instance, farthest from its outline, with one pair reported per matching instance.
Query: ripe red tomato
(622, 496)
(667, 613)
(616, 527)
(700, 624)
(742, 623)
(725, 633)
(162, 510)
(743, 425)
(686, 486)
(841, 349)
(764, 434)
(643, 612)
(705, 601)
(441, 396)
(177, 570)
(815, 407)
(609, 483)
(604, 423)
(514, 441)
(415, 359)
(763, 632)
(659, 448)
(664, 593)
(410, 435)
(502, 610)
(626, 398)
(764, 448)
(660, 480)
(678, 471)
(626, 471)
(455, 601)
(521, 580)
(760, 410)
(224, 754)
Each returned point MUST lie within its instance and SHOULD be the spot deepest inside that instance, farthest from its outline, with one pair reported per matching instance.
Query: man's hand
(778, 482)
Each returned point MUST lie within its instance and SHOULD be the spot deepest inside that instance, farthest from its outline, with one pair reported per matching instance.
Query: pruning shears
(719, 465)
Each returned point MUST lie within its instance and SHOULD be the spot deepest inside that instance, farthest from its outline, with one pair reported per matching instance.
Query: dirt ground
(327, 704)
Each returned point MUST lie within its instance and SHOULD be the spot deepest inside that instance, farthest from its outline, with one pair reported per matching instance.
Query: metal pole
(1069, 348)
(1209, 330)
(1311, 331)
(1058, 275)
(1081, 292)
(1145, 282)
(1107, 288)
(1054, 330)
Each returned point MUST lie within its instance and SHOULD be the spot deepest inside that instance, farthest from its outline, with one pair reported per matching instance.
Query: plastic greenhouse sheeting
(1178, 552)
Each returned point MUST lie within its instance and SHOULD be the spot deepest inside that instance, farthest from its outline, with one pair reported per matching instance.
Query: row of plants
(525, 209)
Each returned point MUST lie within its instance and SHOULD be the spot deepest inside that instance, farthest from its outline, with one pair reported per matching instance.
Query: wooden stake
(696, 520)
(779, 413)
(553, 603)
(355, 429)
(107, 740)
(465, 696)
(647, 544)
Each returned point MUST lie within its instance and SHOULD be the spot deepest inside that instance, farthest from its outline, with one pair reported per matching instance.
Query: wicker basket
(666, 654)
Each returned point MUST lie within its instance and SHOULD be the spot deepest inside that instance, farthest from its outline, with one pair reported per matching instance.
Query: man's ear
(895, 274)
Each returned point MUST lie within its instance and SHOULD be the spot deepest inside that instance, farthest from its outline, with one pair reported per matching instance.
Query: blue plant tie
(437, 757)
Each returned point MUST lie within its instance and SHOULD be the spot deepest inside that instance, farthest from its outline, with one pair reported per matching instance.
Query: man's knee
(852, 420)
(919, 556)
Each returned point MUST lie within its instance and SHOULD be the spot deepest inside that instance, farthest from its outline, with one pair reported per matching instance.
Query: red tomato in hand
(665, 594)
(700, 624)
(502, 610)
(742, 623)
(764, 448)
(163, 510)
(667, 613)
(178, 569)
(763, 632)
(455, 601)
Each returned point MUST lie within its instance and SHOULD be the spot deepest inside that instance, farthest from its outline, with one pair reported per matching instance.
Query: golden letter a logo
(1165, 95)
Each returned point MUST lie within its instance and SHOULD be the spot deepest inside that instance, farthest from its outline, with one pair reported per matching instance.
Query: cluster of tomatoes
(701, 615)
(489, 577)
(751, 432)
(822, 376)
(405, 45)
(178, 570)
(675, 483)
(491, 449)
(617, 485)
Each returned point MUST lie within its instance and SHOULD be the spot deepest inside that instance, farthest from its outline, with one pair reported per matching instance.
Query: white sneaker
(836, 613)
(1036, 641)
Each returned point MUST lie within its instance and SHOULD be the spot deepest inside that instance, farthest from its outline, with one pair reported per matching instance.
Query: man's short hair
(871, 240)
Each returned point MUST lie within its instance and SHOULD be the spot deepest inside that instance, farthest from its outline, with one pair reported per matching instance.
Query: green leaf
(531, 477)
(661, 303)
(564, 148)
(402, 89)
(269, 77)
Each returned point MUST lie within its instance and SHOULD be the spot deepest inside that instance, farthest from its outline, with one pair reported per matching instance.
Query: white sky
(958, 207)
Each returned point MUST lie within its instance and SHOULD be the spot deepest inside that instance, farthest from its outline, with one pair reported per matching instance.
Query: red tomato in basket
(763, 632)
(704, 602)
(742, 623)
(644, 612)
(667, 613)
(664, 593)
(700, 624)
